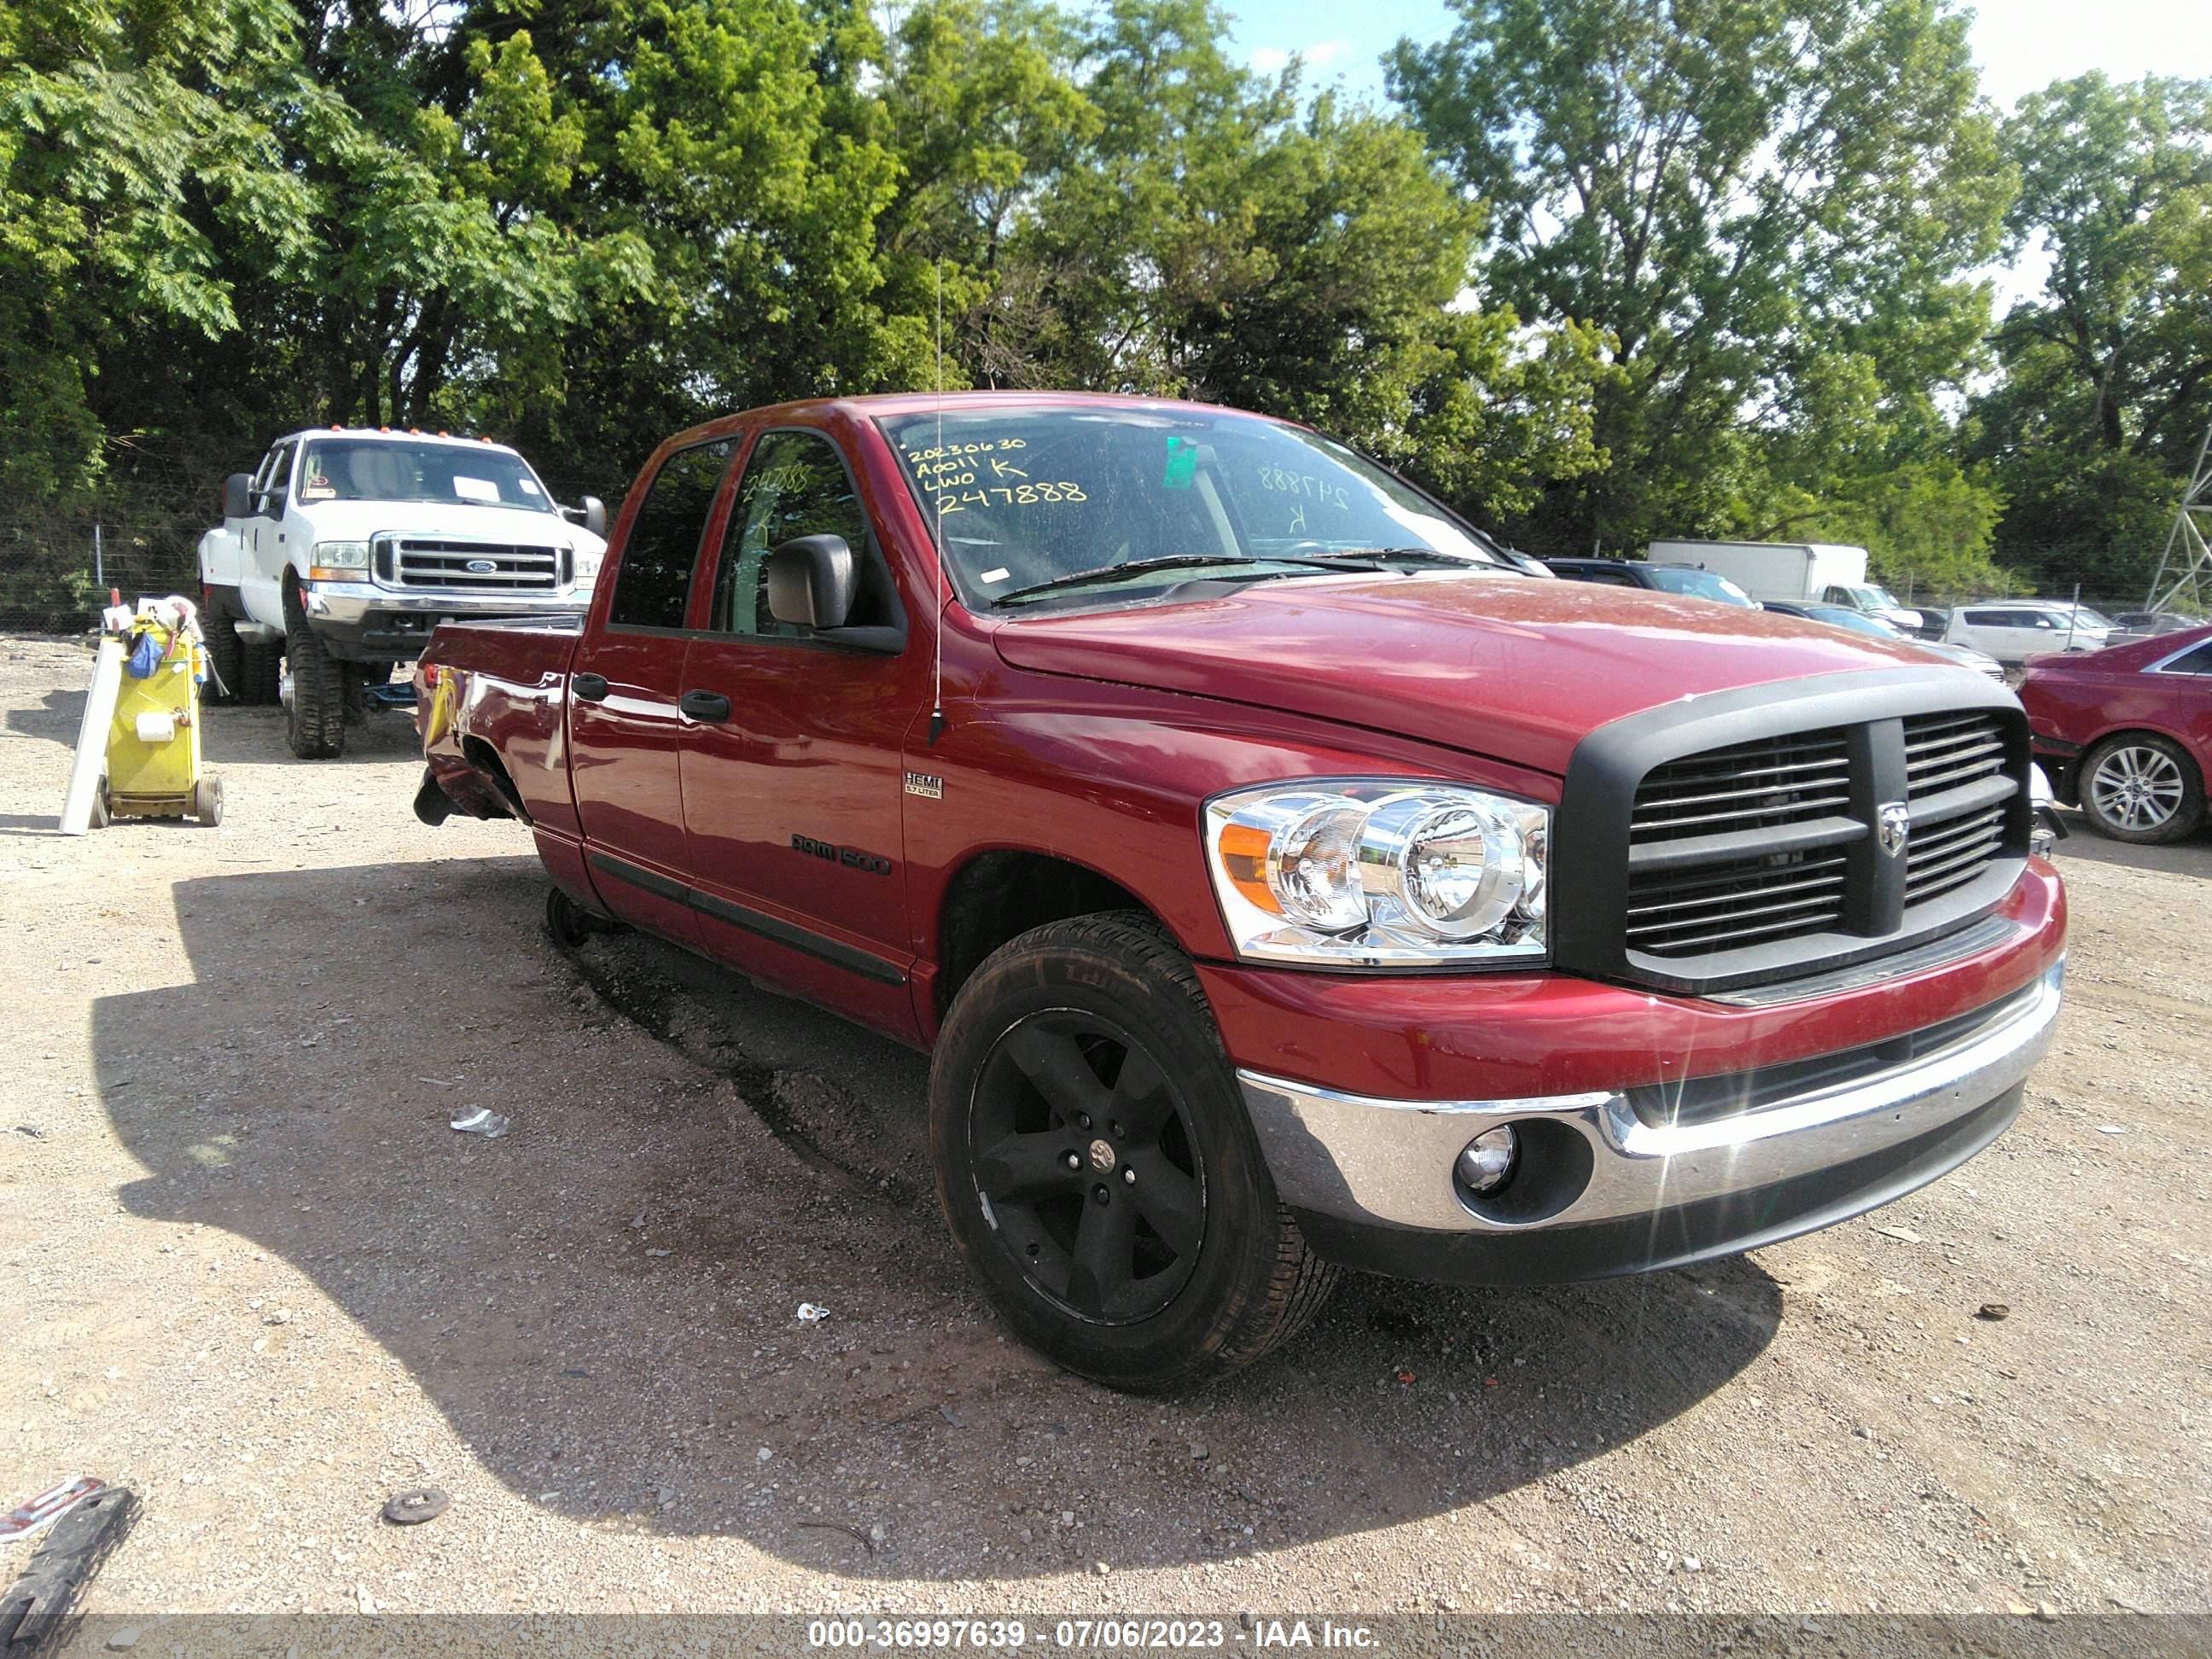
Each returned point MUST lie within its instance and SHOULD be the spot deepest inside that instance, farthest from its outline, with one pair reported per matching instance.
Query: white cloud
(1273, 60)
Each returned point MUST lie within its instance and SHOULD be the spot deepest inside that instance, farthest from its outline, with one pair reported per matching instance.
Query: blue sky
(2021, 44)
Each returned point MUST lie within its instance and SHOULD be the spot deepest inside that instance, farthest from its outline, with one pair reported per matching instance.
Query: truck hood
(356, 522)
(1507, 667)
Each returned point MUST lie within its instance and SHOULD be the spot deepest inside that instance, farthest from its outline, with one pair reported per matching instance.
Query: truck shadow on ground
(601, 1303)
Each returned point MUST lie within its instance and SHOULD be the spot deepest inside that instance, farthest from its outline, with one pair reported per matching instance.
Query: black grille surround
(1735, 840)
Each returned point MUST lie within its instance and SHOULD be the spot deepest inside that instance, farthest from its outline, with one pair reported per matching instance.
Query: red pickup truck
(1281, 880)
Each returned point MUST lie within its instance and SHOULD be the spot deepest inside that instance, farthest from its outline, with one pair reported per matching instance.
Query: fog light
(1487, 1163)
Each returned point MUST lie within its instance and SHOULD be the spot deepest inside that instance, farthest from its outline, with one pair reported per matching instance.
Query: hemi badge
(922, 784)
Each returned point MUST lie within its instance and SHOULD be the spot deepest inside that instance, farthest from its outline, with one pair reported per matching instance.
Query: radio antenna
(937, 505)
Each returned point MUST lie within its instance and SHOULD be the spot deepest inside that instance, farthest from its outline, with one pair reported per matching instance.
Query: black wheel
(102, 813)
(568, 922)
(207, 801)
(260, 667)
(225, 658)
(315, 727)
(2143, 788)
(1094, 1162)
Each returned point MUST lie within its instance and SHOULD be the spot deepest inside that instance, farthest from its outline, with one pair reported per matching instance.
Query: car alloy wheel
(2136, 787)
(1086, 1160)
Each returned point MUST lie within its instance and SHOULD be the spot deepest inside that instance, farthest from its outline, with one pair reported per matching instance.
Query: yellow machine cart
(154, 741)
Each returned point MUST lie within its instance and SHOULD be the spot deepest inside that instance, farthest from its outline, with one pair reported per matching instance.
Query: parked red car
(1281, 879)
(2126, 733)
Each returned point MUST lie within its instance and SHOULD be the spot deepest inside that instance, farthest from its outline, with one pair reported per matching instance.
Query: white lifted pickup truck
(348, 547)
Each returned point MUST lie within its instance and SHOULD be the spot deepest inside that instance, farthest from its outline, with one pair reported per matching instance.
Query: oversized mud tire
(259, 668)
(225, 658)
(315, 728)
(1097, 1168)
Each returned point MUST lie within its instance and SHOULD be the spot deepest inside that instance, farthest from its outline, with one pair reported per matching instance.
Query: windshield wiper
(1424, 554)
(1112, 573)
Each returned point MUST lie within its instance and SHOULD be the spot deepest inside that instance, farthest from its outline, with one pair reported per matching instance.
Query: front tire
(2142, 789)
(1096, 1166)
(315, 726)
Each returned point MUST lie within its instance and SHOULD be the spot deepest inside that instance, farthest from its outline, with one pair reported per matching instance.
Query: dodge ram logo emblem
(483, 566)
(1894, 827)
(1101, 1157)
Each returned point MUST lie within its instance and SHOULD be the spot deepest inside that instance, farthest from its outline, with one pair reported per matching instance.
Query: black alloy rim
(1085, 1164)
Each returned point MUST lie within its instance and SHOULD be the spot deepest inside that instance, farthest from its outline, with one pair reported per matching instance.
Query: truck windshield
(384, 470)
(1089, 504)
(1698, 585)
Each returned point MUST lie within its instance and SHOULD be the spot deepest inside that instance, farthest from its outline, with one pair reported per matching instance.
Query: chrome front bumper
(351, 604)
(1349, 1164)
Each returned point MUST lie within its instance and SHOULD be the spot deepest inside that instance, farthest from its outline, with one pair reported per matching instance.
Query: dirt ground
(252, 1273)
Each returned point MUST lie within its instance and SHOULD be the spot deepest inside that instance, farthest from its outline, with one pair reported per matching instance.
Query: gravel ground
(254, 1275)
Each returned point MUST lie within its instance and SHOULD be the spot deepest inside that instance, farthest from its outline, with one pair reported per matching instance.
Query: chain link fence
(138, 532)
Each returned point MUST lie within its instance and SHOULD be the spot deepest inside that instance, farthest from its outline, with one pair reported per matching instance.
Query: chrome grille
(1741, 903)
(1766, 852)
(1944, 752)
(427, 563)
(1678, 908)
(1748, 785)
(1952, 764)
(1951, 854)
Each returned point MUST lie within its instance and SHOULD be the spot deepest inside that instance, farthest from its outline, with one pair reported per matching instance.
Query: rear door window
(2198, 661)
(653, 585)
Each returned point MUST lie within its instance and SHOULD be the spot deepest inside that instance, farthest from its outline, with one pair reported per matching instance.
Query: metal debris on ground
(810, 1315)
(1903, 1234)
(482, 1120)
(36, 1514)
(1995, 1310)
(415, 1505)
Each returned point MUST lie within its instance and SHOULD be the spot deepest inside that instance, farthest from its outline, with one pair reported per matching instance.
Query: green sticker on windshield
(1182, 465)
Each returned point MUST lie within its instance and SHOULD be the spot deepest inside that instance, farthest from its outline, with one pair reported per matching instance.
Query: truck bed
(491, 701)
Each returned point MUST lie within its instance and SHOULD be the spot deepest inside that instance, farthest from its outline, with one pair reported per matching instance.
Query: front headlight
(337, 560)
(587, 564)
(1380, 873)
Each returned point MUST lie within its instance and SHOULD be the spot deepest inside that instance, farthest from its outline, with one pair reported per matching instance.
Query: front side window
(794, 484)
(653, 585)
(393, 470)
(275, 473)
(1109, 504)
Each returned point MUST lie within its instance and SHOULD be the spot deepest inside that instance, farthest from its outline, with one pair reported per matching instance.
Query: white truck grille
(439, 565)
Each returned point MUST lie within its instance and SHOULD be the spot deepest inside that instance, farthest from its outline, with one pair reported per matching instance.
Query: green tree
(2106, 387)
(1769, 207)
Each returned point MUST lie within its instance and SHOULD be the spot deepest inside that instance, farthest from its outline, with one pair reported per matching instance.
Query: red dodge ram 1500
(1280, 880)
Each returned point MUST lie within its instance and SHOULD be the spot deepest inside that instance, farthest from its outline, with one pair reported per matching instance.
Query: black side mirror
(238, 495)
(810, 581)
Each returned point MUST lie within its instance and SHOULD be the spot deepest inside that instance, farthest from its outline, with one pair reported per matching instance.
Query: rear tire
(569, 923)
(102, 813)
(226, 657)
(1162, 1257)
(2142, 789)
(207, 801)
(315, 728)
(260, 667)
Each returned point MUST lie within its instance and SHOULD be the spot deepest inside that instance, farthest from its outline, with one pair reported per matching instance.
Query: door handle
(711, 706)
(592, 688)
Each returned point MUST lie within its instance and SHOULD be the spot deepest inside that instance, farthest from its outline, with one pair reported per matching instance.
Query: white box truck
(1796, 573)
